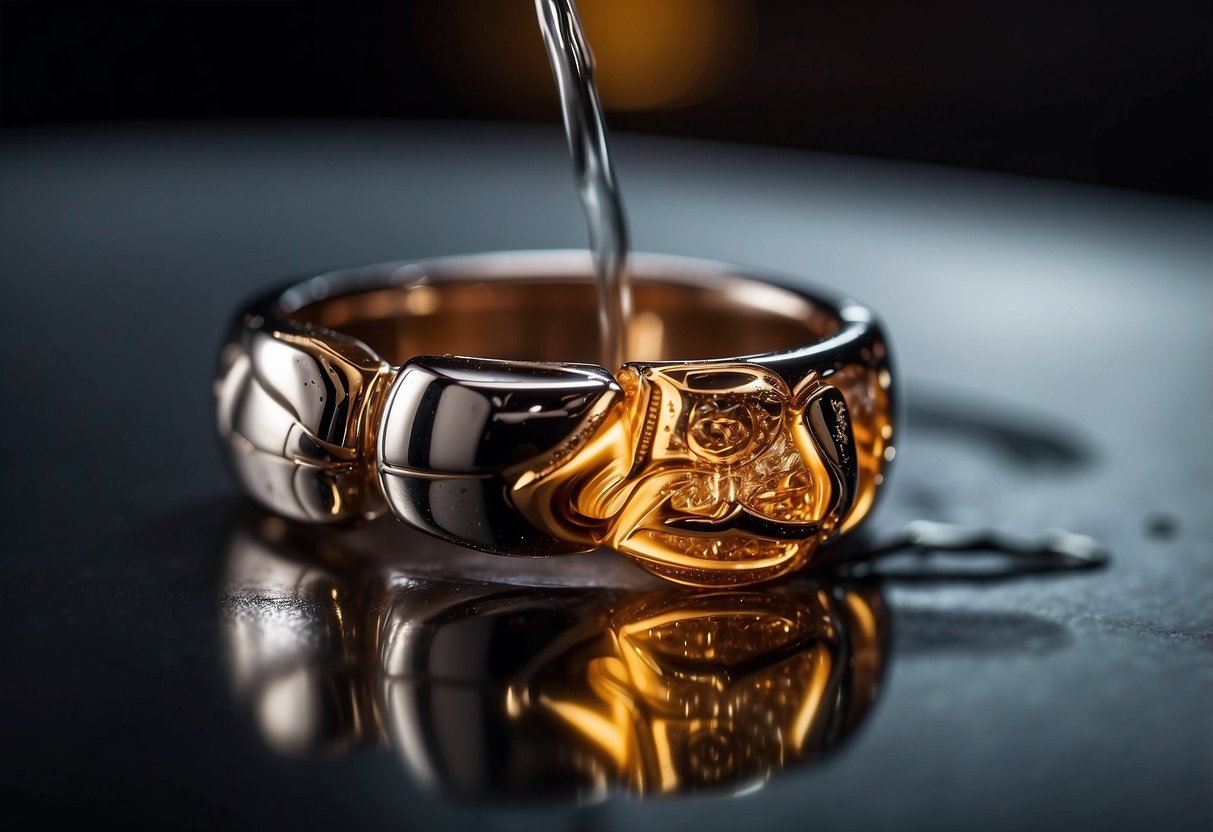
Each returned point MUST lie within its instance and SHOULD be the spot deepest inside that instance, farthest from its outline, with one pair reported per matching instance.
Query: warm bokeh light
(650, 55)
(662, 54)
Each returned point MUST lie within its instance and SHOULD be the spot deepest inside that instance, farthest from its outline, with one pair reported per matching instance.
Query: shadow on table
(1016, 437)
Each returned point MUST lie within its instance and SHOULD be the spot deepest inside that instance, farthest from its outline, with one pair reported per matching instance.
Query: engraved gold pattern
(866, 389)
(705, 473)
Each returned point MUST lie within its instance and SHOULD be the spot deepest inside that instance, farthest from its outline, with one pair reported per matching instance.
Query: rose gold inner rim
(550, 318)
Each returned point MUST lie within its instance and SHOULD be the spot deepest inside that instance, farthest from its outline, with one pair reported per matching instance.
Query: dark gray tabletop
(1055, 343)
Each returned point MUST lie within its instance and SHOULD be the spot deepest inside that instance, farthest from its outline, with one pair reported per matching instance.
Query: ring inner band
(554, 318)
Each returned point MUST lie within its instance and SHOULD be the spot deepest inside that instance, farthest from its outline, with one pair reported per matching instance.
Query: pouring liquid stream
(585, 128)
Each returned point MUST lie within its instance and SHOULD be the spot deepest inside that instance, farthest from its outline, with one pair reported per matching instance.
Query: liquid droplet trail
(1056, 550)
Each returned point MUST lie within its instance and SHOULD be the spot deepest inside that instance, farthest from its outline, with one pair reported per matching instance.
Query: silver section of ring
(291, 418)
(452, 427)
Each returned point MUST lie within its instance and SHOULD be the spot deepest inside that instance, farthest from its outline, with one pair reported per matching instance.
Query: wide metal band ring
(461, 394)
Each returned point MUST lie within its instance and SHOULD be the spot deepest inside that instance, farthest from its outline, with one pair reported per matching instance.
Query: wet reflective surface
(1066, 700)
(512, 693)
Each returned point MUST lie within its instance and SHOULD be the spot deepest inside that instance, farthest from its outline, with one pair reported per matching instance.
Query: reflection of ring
(496, 691)
(704, 470)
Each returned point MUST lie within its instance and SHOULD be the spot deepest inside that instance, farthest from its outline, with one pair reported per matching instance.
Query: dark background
(1116, 92)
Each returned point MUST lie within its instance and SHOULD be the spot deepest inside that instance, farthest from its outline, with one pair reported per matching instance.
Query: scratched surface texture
(1054, 343)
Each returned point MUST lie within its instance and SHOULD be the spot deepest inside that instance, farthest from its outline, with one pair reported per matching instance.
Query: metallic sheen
(454, 428)
(492, 691)
(759, 428)
(705, 473)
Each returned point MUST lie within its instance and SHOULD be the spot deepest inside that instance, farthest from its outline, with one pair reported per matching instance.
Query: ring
(462, 395)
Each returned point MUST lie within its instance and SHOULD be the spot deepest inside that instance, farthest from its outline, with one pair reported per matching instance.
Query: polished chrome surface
(453, 428)
(293, 418)
(457, 416)
(319, 427)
